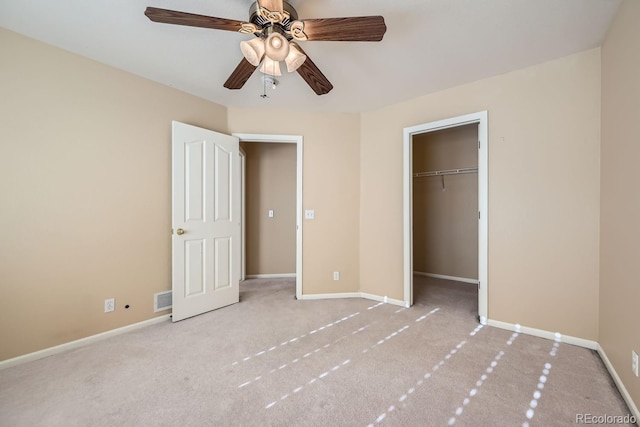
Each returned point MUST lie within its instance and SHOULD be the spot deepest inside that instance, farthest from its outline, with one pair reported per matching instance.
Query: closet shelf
(445, 172)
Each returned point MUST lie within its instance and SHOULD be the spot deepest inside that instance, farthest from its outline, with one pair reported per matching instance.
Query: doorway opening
(270, 215)
(441, 238)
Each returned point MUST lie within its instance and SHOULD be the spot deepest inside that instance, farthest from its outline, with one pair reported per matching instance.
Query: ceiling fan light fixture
(276, 46)
(253, 50)
(295, 58)
(270, 67)
(275, 23)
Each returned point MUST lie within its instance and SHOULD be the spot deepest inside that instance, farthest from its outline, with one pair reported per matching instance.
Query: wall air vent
(162, 301)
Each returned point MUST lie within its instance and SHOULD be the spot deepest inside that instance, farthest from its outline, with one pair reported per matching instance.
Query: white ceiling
(429, 45)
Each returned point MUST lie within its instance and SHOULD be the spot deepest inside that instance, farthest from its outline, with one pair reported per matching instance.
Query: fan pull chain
(264, 88)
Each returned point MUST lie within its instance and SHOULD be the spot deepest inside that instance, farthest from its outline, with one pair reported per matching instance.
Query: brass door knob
(180, 231)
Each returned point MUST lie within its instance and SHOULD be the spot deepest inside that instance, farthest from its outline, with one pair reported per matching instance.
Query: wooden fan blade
(240, 75)
(192, 20)
(272, 5)
(314, 77)
(354, 29)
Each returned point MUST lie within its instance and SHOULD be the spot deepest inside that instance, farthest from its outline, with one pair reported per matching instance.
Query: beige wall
(620, 207)
(330, 182)
(85, 180)
(270, 185)
(544, 134)
(445, 221)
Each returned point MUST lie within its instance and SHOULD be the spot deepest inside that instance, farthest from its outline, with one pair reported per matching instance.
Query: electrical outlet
(336, 275)
(109, 305)
(634, 362)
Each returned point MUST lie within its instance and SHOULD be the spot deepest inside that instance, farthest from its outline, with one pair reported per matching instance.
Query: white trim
(270, 276)
(616, 378)
(384, 299)
(243, 210)
(483, 185)
(331, 296)
(80, 343)
(445, 277)
(298, 140)
(483, 222)
(580, 342)
(407, 185)
(568, 339)
(355, 295)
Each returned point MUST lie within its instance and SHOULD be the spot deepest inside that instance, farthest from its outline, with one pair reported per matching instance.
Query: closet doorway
(445, 204)
(271, 207)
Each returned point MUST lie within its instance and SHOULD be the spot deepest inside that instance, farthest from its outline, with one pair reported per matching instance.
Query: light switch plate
(270, 213)
(309, 214)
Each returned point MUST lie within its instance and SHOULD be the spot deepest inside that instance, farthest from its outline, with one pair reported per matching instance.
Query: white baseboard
(442, 276)
(270, 276)
(555, 336)
(79, 343)
(616, 378)
(591, 345)
(330, 296)
(383, 299)
(354, 295)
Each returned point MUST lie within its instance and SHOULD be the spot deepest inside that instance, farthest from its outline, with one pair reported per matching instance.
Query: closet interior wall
(445, 207)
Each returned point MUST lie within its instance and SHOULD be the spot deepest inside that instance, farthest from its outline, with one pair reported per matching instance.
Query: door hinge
(478, 214)
(478, 145)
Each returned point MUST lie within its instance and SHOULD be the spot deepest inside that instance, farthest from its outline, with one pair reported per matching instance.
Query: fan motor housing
(283, 27)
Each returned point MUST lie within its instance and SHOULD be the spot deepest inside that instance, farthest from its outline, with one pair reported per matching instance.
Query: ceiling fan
(276, 28)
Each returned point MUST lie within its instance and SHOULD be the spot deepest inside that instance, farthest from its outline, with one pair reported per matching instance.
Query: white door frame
(483, 184)
(287, 139)
(243, 213)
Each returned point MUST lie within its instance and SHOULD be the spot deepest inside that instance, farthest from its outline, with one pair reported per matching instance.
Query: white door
(205, 220)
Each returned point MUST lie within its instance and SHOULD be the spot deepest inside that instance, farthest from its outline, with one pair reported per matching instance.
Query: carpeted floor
(275, 361)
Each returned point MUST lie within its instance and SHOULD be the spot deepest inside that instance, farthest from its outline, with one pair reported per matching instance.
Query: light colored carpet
(273, 361)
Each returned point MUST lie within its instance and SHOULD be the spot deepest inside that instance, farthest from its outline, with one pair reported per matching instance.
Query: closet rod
(445, 172)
